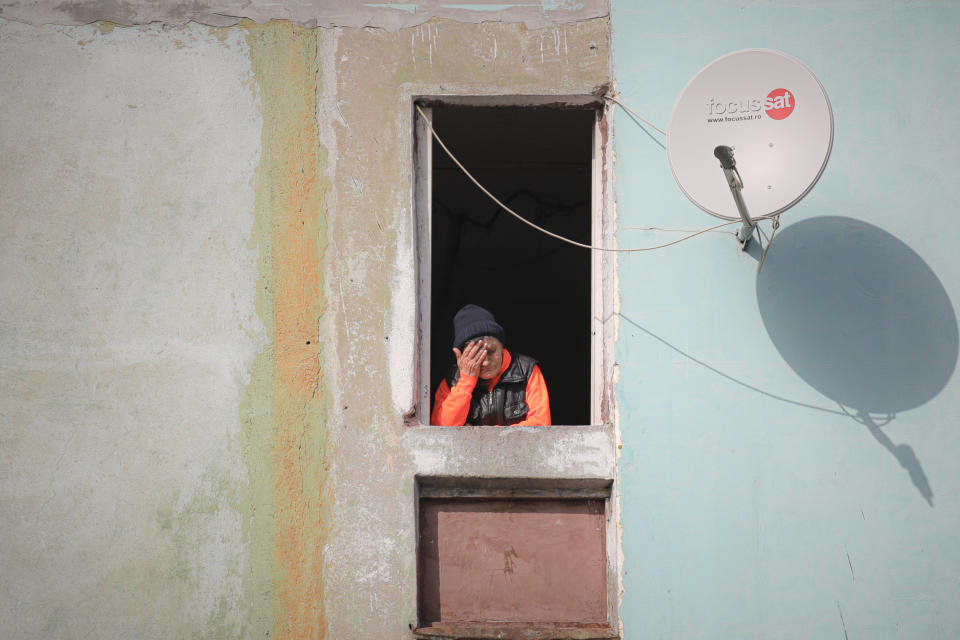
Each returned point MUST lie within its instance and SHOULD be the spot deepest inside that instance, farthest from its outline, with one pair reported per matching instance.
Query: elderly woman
(488, 385)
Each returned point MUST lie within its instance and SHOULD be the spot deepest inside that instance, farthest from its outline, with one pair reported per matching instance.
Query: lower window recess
(521, 561)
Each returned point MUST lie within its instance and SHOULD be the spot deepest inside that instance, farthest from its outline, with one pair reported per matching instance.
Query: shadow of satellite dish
(858, 315)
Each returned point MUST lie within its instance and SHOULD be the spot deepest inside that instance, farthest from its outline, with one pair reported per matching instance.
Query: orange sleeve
(451, 406)
(538, 400)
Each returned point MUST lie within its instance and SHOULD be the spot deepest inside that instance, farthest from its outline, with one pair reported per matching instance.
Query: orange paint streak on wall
(287, 76)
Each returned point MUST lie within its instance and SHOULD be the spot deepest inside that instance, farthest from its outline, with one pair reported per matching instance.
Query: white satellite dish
(774, 115)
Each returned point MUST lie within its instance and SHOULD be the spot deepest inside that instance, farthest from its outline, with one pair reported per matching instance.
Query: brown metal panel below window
(539, 561)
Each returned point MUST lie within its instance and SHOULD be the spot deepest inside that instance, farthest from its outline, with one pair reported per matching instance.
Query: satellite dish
(773, 114)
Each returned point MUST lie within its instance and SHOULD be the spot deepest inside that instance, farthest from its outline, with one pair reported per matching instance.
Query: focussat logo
(778, 104)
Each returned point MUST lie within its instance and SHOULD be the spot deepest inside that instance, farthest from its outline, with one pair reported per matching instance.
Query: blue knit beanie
(472, 322)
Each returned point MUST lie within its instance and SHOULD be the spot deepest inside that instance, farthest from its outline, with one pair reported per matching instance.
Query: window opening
(539, 161)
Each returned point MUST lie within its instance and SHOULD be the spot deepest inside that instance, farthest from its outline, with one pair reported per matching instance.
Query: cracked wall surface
(320, 13)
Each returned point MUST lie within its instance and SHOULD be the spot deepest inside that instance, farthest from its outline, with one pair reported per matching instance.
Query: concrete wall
(790, 439)
(207, 314)
(129, 329)
(207, 311)
(369, 326)
(389, 15)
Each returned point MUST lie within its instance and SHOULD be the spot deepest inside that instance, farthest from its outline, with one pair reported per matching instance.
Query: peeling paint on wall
(391, 16)
(286, 510)
(369, 327)
(285, 429)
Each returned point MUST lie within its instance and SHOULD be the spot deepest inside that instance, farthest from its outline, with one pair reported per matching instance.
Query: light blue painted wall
(753, 507)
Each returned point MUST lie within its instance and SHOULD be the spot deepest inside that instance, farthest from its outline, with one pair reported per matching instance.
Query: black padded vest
(506, 403)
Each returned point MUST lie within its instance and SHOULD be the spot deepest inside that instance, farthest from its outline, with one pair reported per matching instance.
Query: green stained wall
(128, 327)
(207, 310)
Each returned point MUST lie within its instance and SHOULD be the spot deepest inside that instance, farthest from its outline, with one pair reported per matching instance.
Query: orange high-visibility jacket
(452, 406)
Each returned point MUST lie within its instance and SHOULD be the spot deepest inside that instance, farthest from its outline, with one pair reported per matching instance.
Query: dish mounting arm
(724, 154)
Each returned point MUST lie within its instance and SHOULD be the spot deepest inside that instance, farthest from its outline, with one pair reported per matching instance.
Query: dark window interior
(537, 160)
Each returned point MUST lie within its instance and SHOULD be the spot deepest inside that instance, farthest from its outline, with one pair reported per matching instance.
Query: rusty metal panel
(496, 562)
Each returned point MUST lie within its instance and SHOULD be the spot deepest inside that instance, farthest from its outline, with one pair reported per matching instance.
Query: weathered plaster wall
(208, 320)
(322, 13)
(128, 329)
(369, 327)
(285, 431)
(753, 506)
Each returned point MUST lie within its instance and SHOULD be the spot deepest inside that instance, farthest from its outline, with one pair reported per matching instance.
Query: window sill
(513, 452)
(516, 631)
